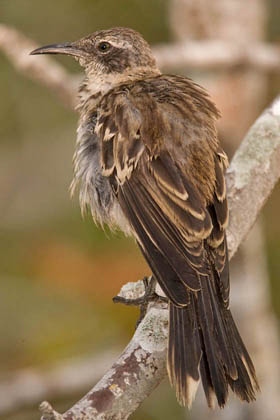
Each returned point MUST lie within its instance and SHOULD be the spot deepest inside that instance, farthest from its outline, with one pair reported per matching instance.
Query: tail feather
(222, 337)
(204, 343)
(212, 350)
(183, 356)
(206, 381)
(247, 382)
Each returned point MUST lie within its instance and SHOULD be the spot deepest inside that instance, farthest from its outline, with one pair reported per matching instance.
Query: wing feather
(159, 188)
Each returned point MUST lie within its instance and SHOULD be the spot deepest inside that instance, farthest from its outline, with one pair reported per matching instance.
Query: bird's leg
(149, 296)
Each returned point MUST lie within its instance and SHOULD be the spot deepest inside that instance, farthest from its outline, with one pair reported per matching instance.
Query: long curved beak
(67, 48)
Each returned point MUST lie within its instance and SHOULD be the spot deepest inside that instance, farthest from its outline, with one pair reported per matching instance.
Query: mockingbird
(148, 161)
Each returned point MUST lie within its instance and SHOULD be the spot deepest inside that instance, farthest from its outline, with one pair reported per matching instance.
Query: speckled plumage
(148, 161)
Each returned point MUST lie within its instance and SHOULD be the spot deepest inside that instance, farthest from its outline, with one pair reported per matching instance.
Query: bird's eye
(104, 46)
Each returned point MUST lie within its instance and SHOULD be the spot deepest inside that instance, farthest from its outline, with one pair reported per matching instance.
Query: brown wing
(219, 215)
(160, 153)
(164, 165)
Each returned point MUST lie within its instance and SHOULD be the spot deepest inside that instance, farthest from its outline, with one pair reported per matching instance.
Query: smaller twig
(218, 54)
(48, 413)
(46, 71)
(143, 301)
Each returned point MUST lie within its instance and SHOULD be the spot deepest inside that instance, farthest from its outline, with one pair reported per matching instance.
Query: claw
(143, 301)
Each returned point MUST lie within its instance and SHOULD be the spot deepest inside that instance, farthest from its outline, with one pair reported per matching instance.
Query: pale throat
(98, 83)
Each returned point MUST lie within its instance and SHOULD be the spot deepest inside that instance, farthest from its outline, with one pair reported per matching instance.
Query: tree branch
(252, 174)
(26, 387)
(218, 54)
(251, 177)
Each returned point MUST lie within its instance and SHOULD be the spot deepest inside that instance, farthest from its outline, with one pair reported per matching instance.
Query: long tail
(204, 343)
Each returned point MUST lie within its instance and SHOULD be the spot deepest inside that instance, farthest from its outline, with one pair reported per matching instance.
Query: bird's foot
(149, 296)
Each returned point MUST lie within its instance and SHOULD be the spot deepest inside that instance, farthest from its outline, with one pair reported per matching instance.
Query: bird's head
(109, 51)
